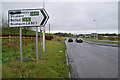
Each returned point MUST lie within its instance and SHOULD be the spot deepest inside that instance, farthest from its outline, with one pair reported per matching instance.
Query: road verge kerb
(70, 62)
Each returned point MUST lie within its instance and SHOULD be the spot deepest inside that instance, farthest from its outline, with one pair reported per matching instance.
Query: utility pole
(95, 35)
(43, 4)
(49, 28)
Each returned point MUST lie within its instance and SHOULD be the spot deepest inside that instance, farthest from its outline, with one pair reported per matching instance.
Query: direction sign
(27, 18)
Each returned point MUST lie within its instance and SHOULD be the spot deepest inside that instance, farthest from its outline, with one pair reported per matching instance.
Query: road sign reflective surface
(27, 17)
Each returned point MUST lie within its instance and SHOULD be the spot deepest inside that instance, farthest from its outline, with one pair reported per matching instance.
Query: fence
(8, 36)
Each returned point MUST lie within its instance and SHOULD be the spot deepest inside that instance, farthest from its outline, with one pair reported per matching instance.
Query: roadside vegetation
(109, 38)
(59, 38)
(103, 42)
(105, 38)
(16, 31)
(52, 64)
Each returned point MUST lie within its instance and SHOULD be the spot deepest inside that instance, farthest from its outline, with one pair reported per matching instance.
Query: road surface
(94, 61)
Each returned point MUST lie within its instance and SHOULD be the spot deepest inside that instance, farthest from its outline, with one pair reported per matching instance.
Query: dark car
(70, 40)
(79, 40)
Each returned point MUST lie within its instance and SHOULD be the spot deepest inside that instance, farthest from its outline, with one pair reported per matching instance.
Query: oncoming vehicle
(79, 40)
(70, 40)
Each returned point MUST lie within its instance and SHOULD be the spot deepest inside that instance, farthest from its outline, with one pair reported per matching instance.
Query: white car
(79, 40)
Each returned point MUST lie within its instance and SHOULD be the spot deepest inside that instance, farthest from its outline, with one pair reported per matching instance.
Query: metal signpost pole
(43, 32)
(44, 39)
(37, 44)
(27, 18)
(49, 28)
(40, 42)
(21, 44)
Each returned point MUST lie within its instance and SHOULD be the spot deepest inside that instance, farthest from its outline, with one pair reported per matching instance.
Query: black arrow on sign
(46, 17)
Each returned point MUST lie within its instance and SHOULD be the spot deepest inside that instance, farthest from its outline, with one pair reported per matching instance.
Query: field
(51, 65)
(16, 31)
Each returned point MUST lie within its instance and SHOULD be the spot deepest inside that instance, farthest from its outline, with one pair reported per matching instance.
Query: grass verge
(58, 38)
(104, 42)
(107, 38)
(51, 65)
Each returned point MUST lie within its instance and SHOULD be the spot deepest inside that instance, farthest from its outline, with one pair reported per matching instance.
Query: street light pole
(95, 35)
(96, 32)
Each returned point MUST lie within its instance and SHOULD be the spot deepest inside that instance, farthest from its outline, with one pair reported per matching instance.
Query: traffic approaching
(101, 61)
(79, 40)
(70, 40)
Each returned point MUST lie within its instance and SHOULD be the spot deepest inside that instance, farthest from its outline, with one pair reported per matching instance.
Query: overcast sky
(75, 17)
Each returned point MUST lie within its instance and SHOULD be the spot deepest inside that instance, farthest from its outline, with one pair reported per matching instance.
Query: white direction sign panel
(27, 18)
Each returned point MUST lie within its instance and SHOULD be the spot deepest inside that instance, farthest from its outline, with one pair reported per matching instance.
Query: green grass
(58, 38)
(107, 38)
(16, 31)
(51, 65)
(62, 39)
(104, 42)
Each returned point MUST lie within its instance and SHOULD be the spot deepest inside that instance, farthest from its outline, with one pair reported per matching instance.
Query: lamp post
(95, 35)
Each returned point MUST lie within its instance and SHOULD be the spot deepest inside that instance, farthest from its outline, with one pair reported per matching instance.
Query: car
(70, 40)
(79, 40)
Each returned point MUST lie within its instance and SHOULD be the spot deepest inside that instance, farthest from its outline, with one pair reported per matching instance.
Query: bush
(100, 37)
(118, 38)
(48, 37)
(58, 39)
(111, 38)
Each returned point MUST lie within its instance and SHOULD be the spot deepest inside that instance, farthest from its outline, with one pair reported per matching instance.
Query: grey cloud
(77, 16)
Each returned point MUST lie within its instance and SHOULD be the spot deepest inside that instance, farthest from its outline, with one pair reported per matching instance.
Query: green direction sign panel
(26, 19)
(36, 13)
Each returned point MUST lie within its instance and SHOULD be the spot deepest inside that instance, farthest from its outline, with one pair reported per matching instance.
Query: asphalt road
(94, 61)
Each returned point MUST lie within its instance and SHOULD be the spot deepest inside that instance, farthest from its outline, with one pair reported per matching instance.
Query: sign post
(49, 28)
(28, 18)
(21, 44)
(40, 42)
(37, 44)
(44, 40)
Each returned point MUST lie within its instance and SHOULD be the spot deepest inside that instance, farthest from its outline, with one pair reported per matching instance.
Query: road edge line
(72, 72)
